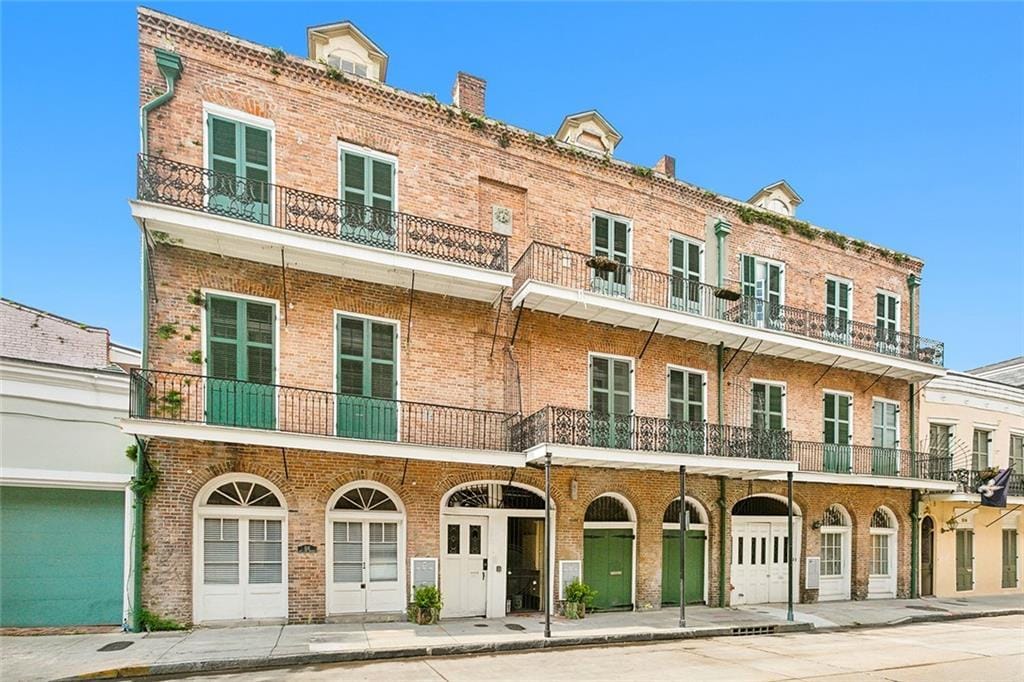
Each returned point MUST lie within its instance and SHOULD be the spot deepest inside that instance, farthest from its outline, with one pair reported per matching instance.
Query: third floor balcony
(254, 220)
(564, 282)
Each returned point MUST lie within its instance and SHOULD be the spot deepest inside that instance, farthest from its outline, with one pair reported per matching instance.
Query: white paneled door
(365, 566)
(242, 573)
(760, 556)
(464, 565)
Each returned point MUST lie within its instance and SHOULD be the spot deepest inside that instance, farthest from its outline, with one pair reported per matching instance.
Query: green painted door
(964, 560)
(240, 355)
(608, 566)
(610, 402)
(685, 412)
(239, 186)
(611, 241)
(885, 443)
(368, 190)
(694, 567)
(62, 561)
(367, 379)
(837, 434)
(686, 264)
(1009, 557)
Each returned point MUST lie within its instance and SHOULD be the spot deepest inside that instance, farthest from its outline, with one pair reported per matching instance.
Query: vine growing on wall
(787, 225)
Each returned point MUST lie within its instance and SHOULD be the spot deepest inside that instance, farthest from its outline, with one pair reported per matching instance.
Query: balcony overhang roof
(707, 465)
(620, 312)
(900, 482)
(152, 428)
(235, 238)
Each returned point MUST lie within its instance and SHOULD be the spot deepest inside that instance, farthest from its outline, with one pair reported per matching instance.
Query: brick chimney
(468, 93)
(666, 166)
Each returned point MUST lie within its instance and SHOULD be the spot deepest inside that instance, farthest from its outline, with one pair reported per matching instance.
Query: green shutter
(964, 560)
(1009, 558)
(240, 357)
(367, 379)
(610, 402)
(749, 268)
(368, 188)
(239, 156)
(610, 240)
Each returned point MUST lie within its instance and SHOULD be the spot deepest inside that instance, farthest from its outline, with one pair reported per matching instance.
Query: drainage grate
(750, 630)
(115, 646)
(479, 625)
(514, 626)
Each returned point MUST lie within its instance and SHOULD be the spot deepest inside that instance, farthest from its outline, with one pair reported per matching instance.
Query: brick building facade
(389, 293)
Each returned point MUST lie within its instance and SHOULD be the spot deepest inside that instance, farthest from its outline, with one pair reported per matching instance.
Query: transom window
(834, 516)
(693, 513)
(243, 494)
(365, 499)
(608, 509)
(495, 496)
(882, 519)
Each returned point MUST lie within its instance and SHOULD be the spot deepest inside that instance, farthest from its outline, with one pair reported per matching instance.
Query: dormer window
(590, 130)
(349, 66)
(778, 198)
(779, 206)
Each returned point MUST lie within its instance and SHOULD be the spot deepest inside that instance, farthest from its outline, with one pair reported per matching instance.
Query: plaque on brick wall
(424, 572)
(501, 219)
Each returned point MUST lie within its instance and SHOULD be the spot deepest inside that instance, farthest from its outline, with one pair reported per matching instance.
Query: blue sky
(902, 124)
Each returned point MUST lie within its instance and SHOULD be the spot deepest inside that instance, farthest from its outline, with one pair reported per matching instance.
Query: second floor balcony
(565, 282)
(256, 220)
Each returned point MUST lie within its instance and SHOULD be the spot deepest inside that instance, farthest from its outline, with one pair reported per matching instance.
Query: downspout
(722, 229)
(721, 541)
(913, 282)
(169, 65)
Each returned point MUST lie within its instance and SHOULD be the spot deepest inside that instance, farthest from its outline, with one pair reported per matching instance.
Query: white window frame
(590, 379)
(669, 368)
(245, 118)
(758, 260)
(899, 308)
(785, 399)
(899, 418)
(371, 154)
(847, 394)
(398, 361)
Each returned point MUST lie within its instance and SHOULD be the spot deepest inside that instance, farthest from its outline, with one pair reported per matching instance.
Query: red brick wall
(313, 477)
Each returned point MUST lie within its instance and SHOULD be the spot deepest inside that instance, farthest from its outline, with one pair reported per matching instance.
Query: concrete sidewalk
(260, 646)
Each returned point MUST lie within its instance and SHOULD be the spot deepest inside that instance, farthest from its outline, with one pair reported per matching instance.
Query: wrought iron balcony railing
(192, 398)
(177, 184)
(580, 271)
(569, 426)
(868, 460)
(970, 479)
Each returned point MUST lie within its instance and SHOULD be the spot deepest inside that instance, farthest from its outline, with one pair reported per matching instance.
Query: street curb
(275, 662)
(268, 662)
(924, 618)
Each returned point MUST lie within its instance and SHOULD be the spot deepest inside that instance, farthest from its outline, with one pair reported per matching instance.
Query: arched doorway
(365, 550)
(240, 564)
(927, 557)
(882, 567)
(492, 550)
(696, 553)
(760, 552)
(609, 529)
(835, 554)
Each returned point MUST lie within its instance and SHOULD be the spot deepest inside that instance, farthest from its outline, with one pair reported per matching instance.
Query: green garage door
(62, 561)
(608, 566)
(694, 567)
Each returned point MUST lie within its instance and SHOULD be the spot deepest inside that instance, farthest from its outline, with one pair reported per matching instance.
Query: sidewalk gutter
(270, 662)
(288, 661)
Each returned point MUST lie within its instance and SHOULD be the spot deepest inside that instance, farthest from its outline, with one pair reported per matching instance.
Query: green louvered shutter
(368, 190)
(1009, 557)
(239, 158)
(240, 363)
(367, 359)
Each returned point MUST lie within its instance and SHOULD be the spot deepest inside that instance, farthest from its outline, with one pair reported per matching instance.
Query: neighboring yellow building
(967, 549)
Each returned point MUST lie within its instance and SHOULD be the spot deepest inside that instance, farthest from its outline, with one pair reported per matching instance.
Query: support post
(789, 538)
(550, 582)
(722, 539)
(915, 531)
(682, 546)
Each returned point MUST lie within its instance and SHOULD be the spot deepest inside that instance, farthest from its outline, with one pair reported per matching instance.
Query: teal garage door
(62, 557)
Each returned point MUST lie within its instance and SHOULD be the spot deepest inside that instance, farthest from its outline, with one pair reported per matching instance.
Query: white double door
(241, 568)
(834, 581)
(464, 565)
(760, 561)
(365, 565)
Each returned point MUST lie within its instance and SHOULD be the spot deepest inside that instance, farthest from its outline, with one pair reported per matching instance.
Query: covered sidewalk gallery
(764, 561)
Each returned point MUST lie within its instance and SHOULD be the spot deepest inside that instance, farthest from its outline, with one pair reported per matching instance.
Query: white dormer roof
(779, 197)
(346, 48)
(590, 130)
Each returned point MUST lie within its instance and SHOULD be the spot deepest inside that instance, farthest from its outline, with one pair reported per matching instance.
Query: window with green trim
(368, 190)
(767, 406)
(240, 356)
(367, 378)
(240, 157)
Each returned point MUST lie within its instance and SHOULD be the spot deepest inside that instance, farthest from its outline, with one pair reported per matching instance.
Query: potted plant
(425, 608)
(727, 294)
(602, 264)
(578, 596)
